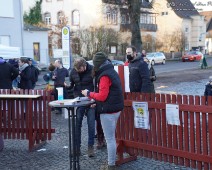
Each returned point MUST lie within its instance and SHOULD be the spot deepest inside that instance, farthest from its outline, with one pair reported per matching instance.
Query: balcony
(148, 27)
(144, 27)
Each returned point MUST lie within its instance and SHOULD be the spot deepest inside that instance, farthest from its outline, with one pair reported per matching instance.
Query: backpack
(35, 72)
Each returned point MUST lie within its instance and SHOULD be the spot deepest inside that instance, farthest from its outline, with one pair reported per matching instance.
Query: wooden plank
(186, 134)
(40, 115)
(192, 137)
(153, 123)
(180, 130)
(204, 135)
(4, 110)
(49, 115)
(16, 96)
(198, 132)
(175, 138)
(158, 120)
(144, 131)
(164, 129)
(182, 107)
(9, 122)
(168, 151)
(44, 114)
(169, 134)
(210, 129)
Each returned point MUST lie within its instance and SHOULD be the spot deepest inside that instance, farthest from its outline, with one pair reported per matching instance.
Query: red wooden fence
(189, 144)
(26, 118)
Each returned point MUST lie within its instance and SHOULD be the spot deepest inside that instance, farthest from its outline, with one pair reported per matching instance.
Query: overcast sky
(203, 5)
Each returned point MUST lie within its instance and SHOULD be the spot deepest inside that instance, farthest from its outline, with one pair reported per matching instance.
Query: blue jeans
(109, 122)
(90, 113)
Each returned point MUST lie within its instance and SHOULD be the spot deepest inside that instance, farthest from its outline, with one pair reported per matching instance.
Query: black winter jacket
(81, 81)
(139, 78)
(208, 89)
(115, 100)
(7, 74)
(25, 82)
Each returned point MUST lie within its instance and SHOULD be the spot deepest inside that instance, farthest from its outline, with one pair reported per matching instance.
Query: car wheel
(164, 62)
(153, 62)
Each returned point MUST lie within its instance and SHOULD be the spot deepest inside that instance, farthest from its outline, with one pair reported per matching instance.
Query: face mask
(129, 57)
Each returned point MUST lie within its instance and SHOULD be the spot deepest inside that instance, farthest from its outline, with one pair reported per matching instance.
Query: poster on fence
(172, 114)
(141, 115)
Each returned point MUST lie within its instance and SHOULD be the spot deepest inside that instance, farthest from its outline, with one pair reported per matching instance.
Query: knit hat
(99, 59)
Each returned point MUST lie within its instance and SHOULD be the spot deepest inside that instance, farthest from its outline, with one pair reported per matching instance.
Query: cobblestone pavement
(54, 155)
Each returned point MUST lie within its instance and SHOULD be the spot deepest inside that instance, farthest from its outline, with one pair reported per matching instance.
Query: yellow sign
(65, 31)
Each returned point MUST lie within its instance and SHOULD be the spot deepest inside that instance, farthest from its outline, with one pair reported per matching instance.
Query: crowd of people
(18, 74)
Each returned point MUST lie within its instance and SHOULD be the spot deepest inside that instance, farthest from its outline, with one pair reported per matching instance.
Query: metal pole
(69, 127)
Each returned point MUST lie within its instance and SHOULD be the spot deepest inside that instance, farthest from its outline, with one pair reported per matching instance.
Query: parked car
(192, 56)
(114, 62)
(156, 57)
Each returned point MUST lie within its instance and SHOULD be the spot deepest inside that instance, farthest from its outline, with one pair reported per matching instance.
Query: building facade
(11, 21)
(180, 26)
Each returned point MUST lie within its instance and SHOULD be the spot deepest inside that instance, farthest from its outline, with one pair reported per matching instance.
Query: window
(76, 18)
(164, 13)
(186, 29)
(36, 51)
(114, 17)
(111, 16)
(48, 0)
(123, 19)
(108, 17)
(60, 17)
(7, 8)
(47, 18)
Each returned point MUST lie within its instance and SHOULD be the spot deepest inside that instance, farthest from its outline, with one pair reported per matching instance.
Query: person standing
(7, 74)
(143, 53)
(25, 74)
(109, 101)
(139, 78)
(80, 79)
(34, 73)
(58, 76)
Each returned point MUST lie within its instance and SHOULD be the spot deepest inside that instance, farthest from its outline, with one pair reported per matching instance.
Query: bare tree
(95, 39)
(134, 13)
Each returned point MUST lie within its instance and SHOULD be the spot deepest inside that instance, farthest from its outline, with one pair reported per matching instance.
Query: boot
(90, 151)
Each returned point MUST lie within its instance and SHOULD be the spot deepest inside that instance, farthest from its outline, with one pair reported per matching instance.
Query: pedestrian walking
(80, 79)
(109, 101)
(58, 76)
(7, 74)
(25, 74)
(151, 74)
(139, 78)
(208, 88)
(34, 73)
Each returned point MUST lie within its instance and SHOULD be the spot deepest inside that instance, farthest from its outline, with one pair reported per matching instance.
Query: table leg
(73, 141)
(69, 127)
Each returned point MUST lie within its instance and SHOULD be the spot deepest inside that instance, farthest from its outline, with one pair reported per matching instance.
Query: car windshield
(150, 55)
(191, 52)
